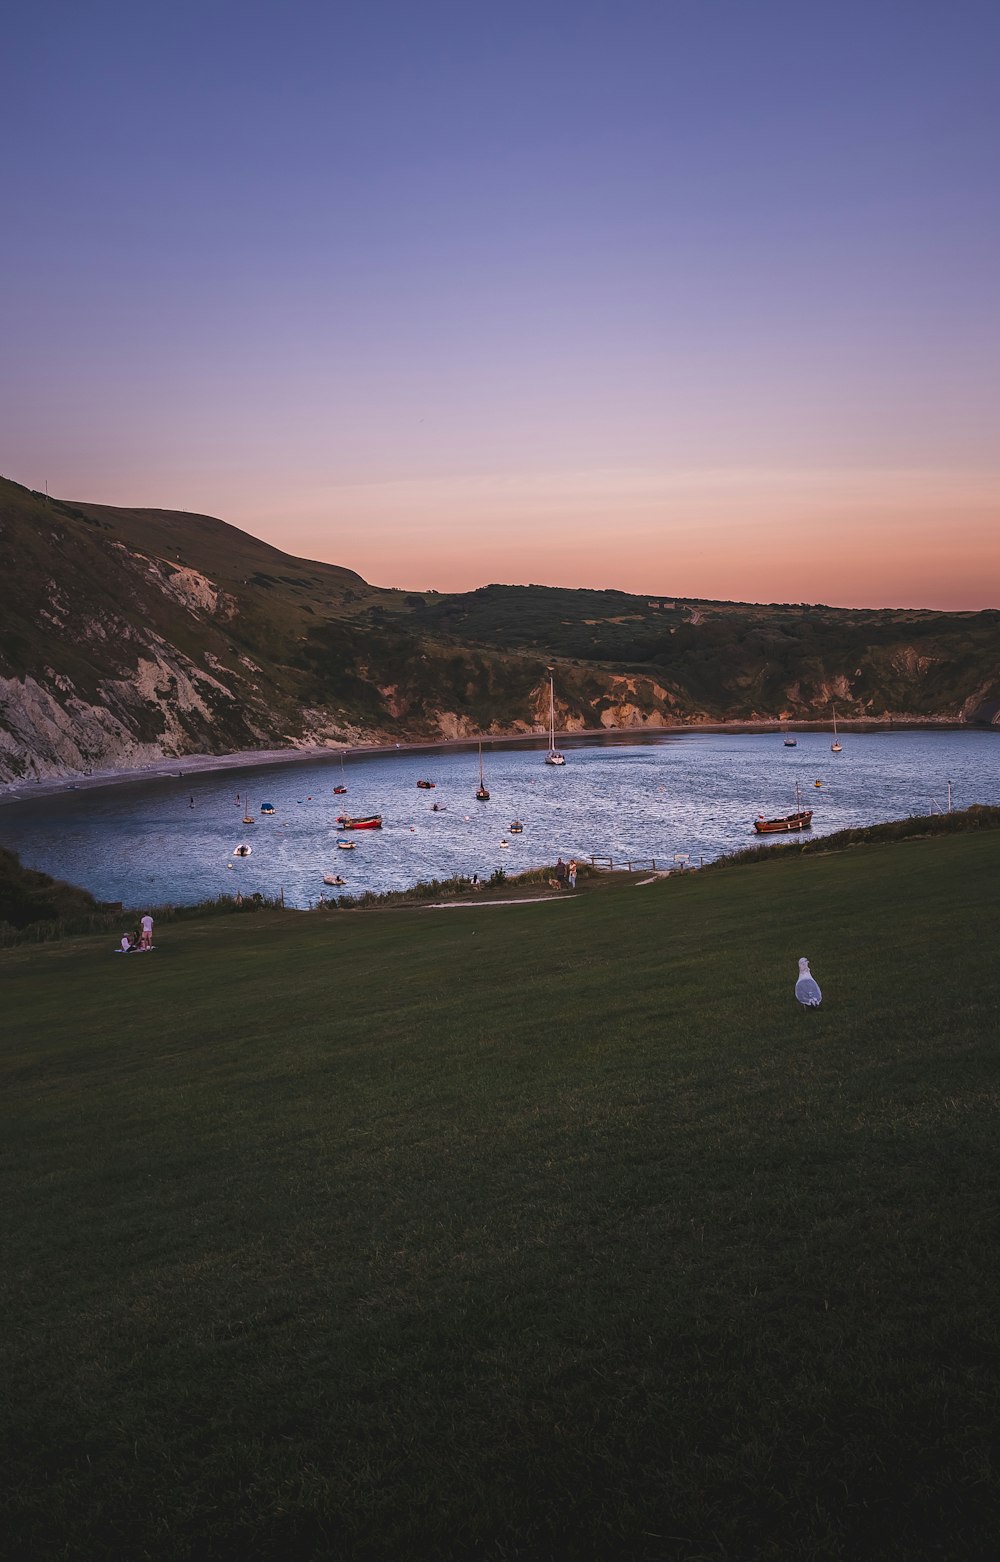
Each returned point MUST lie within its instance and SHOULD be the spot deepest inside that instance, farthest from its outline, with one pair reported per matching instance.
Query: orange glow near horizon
(859, 539)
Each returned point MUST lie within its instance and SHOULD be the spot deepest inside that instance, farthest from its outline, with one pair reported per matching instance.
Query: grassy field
(540, 1232)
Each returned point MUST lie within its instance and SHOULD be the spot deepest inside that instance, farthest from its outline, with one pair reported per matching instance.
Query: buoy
(817, 783)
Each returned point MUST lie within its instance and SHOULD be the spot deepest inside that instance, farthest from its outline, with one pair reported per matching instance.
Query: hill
(542, 1231)
(130, 635)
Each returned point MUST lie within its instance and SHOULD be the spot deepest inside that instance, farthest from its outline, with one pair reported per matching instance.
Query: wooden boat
(427, 786)
(797, 821)
(801, 819)
(339, 791)
(347, 846)
(373, 822)
(516, 827)
(553, 757)
(482, 794)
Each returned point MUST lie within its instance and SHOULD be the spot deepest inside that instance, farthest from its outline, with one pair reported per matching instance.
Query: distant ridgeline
(127, 636)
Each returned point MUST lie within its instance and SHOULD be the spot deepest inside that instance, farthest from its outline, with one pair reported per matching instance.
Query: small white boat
(243, 850)
(333, 878)
(347, 846)
(835, 747)
(505, 843)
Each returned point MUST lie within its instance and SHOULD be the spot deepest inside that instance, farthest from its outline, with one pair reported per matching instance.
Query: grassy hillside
(126, 635)
(546, 1232)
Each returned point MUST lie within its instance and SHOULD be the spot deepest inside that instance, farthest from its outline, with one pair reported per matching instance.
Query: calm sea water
(625, 797)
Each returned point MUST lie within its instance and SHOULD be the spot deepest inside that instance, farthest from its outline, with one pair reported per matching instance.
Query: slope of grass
(551, 1232)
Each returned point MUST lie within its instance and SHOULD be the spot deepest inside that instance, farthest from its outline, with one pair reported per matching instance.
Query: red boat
(339, 791)
(799, 821)
(427, 786)
(372, 823)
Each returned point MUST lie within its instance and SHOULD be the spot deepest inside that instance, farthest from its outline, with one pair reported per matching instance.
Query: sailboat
(248, 817)
(835, 745)
(339, 791)
(553, 757)
(482, 795)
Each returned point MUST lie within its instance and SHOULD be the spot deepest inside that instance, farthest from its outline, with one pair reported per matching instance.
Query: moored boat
(373, 822)
(333, 878)
(426, 786)
(267, 808)
(801, 819)
(482, 793)
(797, 821)
(339, 791)
(553, 757)
(347, 846)
(516, 827)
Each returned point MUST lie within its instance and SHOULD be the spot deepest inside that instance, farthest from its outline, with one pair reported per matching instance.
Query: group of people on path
(564, 875)
(142, 938)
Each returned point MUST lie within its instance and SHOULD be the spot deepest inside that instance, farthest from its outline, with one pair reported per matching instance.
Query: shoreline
(253, 759)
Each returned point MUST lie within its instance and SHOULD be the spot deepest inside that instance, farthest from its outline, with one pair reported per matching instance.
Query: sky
(687, 297)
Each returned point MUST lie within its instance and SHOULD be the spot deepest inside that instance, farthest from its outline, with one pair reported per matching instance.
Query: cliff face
(130, 636)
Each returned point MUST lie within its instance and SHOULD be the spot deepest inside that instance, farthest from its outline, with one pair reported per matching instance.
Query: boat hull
(374, 823)
(785, 826)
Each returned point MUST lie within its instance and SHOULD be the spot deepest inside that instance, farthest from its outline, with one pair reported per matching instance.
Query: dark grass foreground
(544, 1232)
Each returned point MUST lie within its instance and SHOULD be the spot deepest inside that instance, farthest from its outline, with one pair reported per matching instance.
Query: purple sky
(697, 296)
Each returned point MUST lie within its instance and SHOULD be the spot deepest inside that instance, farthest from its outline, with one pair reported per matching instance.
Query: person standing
(560, 874)
(571, 871)
(146, 939)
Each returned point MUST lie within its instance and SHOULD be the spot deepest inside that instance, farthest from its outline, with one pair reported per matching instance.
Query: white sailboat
(835, 747)
(553, 757)
(482, 791)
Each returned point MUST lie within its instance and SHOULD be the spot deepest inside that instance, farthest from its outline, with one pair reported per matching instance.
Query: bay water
(670, 797)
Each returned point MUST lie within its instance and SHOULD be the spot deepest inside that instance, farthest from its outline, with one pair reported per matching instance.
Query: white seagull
(807, 988)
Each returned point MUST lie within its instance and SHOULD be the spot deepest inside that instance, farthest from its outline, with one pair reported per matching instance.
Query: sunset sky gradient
(698, 297)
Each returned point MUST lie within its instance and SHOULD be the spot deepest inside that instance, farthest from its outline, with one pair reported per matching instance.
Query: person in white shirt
(146, 923)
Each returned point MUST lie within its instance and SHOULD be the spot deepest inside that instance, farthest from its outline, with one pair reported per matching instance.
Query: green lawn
(553, 1231)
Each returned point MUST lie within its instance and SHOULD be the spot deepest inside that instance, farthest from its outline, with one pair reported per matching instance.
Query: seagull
(807, 988)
